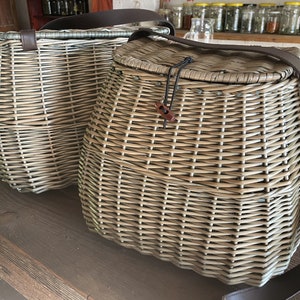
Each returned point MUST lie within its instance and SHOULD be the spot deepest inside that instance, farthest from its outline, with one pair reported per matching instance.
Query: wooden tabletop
(47, 233)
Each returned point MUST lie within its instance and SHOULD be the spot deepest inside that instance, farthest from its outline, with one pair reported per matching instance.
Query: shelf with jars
(64, 7)
(263, 22)
(43, 11)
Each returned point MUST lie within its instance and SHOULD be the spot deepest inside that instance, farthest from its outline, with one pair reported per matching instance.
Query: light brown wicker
(46, 97)
(217, 191)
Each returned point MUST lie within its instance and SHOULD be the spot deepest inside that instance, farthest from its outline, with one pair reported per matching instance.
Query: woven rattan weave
(216, 191)
(46, 97)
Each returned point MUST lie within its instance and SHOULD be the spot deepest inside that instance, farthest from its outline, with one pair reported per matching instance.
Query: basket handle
(96, 20)
(108, 18)
(287, 57)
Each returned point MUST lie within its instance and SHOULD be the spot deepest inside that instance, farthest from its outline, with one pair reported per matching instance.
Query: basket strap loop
(28, 39)
(163, 109)
(180, 66)
(285, 56)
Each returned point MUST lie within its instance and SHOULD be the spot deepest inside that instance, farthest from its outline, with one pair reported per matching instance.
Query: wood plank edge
(31, 278)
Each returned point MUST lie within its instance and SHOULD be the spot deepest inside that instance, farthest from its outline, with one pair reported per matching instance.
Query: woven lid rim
(282, 72)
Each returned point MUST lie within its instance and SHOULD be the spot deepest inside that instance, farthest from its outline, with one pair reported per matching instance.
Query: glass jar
(166, 4)
(273, 21)
(46, 6)
(55, 9)
(200, 10)
(217, 12)
(260, 20)
(290, 18)
(233, 17)
(187, 14)
(81, 7)
(70, 5)
(177, 16)
(202, 29)
(63, 7)
(247, 18)
(165, 13)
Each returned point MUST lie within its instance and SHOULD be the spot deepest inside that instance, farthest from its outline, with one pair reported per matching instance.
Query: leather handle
(28, 39)
(108, 18)
(96, 20)
(287, 57)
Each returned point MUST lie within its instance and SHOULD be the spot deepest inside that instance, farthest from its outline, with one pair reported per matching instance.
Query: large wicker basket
(216, 191)
(46, 99)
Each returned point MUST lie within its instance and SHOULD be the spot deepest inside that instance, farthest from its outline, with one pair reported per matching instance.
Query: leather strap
(28, 39)
(287, 57)
(108, 18)
(281, 287)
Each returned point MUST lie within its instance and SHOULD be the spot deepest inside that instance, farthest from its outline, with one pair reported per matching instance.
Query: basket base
(157, 218)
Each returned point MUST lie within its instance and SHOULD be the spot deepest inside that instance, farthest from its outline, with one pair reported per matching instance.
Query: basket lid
(223, 66)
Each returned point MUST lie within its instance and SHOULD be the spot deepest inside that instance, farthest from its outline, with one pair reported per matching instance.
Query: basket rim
(93, 33)
(129, 59)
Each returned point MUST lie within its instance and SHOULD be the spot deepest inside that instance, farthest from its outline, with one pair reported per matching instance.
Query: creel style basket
(47, 95)
(210, 184)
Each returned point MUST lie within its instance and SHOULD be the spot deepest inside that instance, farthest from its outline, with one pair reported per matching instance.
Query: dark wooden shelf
(36, 16)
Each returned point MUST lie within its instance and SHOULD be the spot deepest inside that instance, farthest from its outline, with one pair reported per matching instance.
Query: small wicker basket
(46, 99)
(213, 186)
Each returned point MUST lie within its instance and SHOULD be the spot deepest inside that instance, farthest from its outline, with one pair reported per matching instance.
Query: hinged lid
(224, 66)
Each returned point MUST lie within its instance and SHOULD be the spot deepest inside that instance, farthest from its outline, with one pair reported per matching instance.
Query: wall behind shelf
(23, 15)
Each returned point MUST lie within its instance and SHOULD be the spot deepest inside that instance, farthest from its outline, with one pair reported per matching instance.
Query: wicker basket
(216, 191)
(46, 99)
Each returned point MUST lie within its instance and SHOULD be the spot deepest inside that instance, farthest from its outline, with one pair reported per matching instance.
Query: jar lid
(267, 4)
(218, 4)
(292, 3)
(201, 4)
(164, 10)
(177, 8)
(234, 4)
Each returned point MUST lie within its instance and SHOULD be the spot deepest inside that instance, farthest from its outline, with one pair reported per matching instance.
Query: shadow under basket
(216, 190)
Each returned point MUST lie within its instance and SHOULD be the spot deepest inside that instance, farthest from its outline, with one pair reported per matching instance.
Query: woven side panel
(45, 102)
(216, 192)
